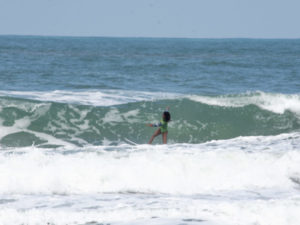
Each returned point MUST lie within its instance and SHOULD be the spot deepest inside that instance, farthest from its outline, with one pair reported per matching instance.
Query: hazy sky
(152, 18)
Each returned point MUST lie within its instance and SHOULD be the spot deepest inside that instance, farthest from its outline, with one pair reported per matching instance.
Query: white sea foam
(253, 164)
(243, 181)
(277, 103)
(143, 209)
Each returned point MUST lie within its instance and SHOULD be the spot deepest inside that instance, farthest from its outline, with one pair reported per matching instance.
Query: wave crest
(195, 119)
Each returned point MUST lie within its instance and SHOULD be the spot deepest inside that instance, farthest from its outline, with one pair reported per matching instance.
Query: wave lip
(274, 102)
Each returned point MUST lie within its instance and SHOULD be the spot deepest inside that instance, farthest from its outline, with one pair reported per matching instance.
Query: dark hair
(167, 116)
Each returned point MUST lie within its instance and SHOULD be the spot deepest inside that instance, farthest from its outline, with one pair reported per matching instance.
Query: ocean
(69, 104)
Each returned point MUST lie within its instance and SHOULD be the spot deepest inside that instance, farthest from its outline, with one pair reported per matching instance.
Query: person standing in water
(163, 127)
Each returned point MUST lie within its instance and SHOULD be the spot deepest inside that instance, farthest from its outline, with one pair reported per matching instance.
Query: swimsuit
(163, 125)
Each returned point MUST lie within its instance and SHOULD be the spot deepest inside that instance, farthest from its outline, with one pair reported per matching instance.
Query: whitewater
(233, 152)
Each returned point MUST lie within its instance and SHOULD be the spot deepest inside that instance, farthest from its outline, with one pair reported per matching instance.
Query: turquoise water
(68, 104)
(257, 80)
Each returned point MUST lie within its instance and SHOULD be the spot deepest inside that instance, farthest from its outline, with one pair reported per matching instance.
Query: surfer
(163, 127)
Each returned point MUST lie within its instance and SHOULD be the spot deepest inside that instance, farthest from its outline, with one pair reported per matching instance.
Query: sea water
(68, 104)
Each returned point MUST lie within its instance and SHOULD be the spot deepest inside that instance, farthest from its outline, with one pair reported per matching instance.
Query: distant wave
(275, 102)
(94, 97)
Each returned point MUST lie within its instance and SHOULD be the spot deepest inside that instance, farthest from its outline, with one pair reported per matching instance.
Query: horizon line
(146, 37)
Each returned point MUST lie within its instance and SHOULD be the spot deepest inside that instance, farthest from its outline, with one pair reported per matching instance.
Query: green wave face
(26, 122)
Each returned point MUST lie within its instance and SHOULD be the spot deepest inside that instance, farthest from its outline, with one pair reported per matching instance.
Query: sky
(152, 18)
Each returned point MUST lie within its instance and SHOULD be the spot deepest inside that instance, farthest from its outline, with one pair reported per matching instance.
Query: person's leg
(165, 137)
(156, 133)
